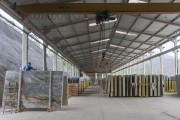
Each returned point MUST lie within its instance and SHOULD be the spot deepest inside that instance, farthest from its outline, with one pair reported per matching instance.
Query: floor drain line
(172, 116)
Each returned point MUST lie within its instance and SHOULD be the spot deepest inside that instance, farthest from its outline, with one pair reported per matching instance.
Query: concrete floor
(92, 105)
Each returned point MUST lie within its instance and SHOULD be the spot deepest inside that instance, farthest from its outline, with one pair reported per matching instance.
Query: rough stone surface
(35, 88)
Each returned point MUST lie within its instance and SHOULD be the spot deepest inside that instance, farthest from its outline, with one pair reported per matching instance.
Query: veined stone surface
(35, 88)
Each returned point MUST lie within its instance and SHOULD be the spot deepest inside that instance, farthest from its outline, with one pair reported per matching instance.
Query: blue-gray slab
(35, 88)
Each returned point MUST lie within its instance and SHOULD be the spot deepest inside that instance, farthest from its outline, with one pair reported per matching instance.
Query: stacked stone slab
(1, 90)
(136, 86)
(74, 89)
(35, 88)
(77, 86)
(177, 77)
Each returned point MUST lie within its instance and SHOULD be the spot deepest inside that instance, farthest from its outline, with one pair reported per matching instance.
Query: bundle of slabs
(178, 83)
(74, 89)
(135, 85)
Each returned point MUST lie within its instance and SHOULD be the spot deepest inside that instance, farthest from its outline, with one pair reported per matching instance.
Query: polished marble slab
(35, 88)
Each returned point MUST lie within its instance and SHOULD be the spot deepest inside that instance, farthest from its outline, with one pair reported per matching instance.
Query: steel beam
(82, 8)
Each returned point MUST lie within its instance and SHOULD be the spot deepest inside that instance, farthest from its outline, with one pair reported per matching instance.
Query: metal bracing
(156, 20)
(163, 38)
(59, 32)
(83, 43)
(154, 56)
(139, 34)
(125, 36)
(49, 28)
(75, 33)
(89, 39)
(78, 35)
(158, 32)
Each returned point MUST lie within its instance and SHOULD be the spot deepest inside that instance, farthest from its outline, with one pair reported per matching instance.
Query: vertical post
(55, 62)
(176, 62)
(18, 109)
(151, 63)
(161, 64)
(137, 71)
(64, 95)
(50, 92)
(106, 81)
(176, 57)
(144, 68)
(127, 69)
(151, 66)
(25, 48)
(161, 60)
(44, 57)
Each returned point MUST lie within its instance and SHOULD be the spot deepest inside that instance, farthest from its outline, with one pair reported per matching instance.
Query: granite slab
(35, 88)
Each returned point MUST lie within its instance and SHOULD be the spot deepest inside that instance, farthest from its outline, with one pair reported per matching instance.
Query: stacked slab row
(76, 86)
(136, 85)
(83, 85)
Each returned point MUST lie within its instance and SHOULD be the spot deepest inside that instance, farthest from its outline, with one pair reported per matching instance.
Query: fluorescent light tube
(110, 21)
(98, 51)
(125, 33)
(111, 53)
(100, 41)
(116, 46)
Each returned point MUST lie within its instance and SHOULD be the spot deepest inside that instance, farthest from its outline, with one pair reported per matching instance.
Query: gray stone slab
(178, 83)
(65, 94)
(35, 88)
(1, 90)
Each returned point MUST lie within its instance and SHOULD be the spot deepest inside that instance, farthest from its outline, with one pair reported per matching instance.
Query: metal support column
(25, 48)
(137, 71)
(55, 62)
(144, 71)
(176, 57)
(161, 60)
(44, 57)
(144, 68)
(151, 64)
(161, 64)
(176, 62)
